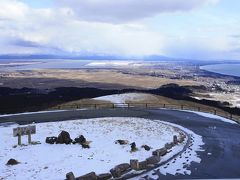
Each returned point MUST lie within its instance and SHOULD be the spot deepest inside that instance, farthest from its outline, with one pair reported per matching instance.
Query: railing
(200, 108)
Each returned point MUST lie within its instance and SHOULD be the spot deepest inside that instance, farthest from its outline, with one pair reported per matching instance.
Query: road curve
(221, 139)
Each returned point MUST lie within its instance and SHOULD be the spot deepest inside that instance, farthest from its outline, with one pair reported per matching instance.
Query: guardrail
(202, 108)
(75, 106)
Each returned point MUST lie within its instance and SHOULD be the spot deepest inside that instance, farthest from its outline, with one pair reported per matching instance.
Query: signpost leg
(19, 137)
(29, 137)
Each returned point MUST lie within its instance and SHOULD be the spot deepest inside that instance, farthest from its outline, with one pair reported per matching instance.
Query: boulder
(120, 169)
(89, 176)
(12, 162)
(121, 142)
(105, 176)
(137, 166)
(143, 165)
(70, 176)
(133, 147)
(85, 146)
(175, 140)
(51, 140)
(64, 138)
(81, 139)
(160, 152)
(146, 147)
(169, 145)
(153, 160)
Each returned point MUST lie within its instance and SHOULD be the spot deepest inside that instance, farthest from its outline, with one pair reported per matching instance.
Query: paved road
(221, 139)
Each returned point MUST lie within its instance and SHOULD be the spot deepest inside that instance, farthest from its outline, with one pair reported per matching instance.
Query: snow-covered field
(45, 161)
(123, 98)
(117, 64)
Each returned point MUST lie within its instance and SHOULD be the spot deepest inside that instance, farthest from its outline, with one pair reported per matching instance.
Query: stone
(146, 147)
(105, 176)
(81, 139)
(64, 138)
(133, 147)
(121, 142)
(175, 140)
(160, 152)
(12, 162)
(143, 165)
(85, 146)
(70, 176)
(120, 169)
(168, 145)
(153, 160)
(51, 140)
(134, 164)
(89, 176)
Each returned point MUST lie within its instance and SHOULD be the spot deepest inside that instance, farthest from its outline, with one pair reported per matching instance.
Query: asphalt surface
(221, 139)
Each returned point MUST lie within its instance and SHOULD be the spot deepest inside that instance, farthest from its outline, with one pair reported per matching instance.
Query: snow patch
(212, 116)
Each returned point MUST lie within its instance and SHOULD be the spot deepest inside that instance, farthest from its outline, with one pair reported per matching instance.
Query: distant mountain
(84, 57)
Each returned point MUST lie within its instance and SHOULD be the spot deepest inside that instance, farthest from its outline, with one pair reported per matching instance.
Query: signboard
(20, 131)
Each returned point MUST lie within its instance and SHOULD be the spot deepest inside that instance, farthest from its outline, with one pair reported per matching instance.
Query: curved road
(221, 139)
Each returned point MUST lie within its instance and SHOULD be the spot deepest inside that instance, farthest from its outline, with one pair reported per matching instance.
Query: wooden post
(19, 137)
(198, 109)
(215, 111)
(146, 105)
(29, 137)
(231, 116)
(164, 105)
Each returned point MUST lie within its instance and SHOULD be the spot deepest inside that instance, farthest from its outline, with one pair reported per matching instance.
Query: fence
(200, 108)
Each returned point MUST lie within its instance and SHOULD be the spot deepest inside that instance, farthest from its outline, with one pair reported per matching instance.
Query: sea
(226, 69)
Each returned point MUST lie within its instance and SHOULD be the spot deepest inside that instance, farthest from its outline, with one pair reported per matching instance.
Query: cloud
(127, 10)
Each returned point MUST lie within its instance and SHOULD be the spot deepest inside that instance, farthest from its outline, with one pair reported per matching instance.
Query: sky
(189, 29)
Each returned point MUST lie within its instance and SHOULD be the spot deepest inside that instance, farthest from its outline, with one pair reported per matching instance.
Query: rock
(85, 146)
(12, 162)
(64, 138)
(153, 160)
(169, 145)
(70, 176)
(134, 164)
(119, 170)
(81, 139)
(89, 176)
(175, 140)
(146, 147)
(160, 152)
(51, 140)
(121, 142)
(133, 147)
(143, 165)
(104, 176)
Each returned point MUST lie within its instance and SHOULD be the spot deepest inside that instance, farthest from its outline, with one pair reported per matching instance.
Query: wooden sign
(27, 130)
(24, 130)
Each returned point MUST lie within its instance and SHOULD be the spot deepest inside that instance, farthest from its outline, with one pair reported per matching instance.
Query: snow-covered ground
(117, 64)
(45, 161)
(123, 98)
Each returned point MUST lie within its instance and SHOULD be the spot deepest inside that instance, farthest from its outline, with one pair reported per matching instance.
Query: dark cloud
(126, 10)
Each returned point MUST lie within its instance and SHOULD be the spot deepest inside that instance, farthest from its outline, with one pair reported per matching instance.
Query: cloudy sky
(199, 29)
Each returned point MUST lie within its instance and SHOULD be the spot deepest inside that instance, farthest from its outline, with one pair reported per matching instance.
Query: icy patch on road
(45, 161)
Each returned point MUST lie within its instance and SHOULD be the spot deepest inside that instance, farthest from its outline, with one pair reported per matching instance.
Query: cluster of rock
(133, 145)
(65, 138)
(122, 169)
